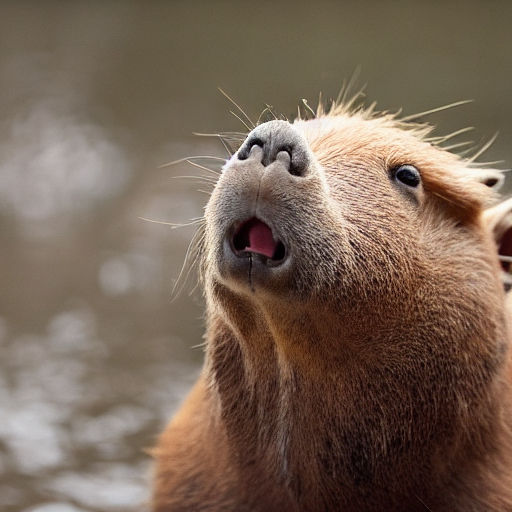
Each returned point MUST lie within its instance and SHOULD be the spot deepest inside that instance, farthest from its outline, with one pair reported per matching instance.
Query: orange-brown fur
(379, 377)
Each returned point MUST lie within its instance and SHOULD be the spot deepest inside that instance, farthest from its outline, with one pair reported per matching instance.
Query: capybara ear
(493, 178)
(499, 220)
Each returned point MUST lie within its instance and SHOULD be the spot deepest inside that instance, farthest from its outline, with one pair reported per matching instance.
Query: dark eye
(408, 175)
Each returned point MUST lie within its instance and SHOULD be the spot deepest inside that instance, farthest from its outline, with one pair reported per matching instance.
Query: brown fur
(376, 374)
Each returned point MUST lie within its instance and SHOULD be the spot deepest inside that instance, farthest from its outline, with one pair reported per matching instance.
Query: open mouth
(256, 237)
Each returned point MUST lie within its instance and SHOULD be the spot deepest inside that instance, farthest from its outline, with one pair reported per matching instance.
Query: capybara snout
(278, 140)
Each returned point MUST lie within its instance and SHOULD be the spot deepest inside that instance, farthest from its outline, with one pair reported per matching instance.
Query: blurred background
(94, 97)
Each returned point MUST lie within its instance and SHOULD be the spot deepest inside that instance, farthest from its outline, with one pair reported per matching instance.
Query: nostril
(293, 159)
(256, 141)
(296, 170)
(288, 148)
(245, 150)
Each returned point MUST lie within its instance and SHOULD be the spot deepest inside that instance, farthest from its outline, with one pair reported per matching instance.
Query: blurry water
(55, 167)
(92, 360)
(94, 356)
(85, 386)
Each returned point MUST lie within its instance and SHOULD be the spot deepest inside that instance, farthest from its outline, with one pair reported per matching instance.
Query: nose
(277, 141)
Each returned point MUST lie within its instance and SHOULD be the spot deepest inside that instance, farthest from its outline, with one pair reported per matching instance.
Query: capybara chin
(358, 336)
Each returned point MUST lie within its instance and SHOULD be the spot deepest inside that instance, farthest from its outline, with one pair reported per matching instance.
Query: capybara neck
(405, 421)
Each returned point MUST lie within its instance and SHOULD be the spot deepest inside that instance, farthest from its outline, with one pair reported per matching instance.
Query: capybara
(358, 335)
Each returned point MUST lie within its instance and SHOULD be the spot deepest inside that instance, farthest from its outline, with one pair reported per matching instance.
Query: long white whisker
(434, 110)
(271, 110)
(308, 108)
(484, 148)
(241, 120)
(444, 138)
(238, 107)
(266, 109)
(458, 145)
(172, 224)
(185, 159)
(199, 166)
(231, 134)
(207, 180)
(489, 164)
(190, 259)
(226, 147)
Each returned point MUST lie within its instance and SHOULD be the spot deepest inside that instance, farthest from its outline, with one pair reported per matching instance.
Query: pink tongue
(260, 239)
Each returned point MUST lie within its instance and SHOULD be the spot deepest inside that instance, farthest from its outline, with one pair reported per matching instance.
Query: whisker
(198, 250)
(199, 345)
(339, 97)
(434, 110)
(187, 158)
(224, 134)
(226, 147)
(320, 107)
(489, 164)
(458, 145)
(271, 110)
(204, 168)
(465, 152)
(268, 108)
(233, 138)
(346, 87)
(444, 138)
(189, 262)
(239, 108)
(243, 135)
(371, 109)
(241, 120)
(308, 108)
(201, 179)
(484, 148)
(190, 256)
(234, 143)
(358, 95)
(173, 225)
(343, 106)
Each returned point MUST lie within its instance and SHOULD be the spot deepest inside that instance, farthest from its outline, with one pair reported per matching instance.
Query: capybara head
(357, 217)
